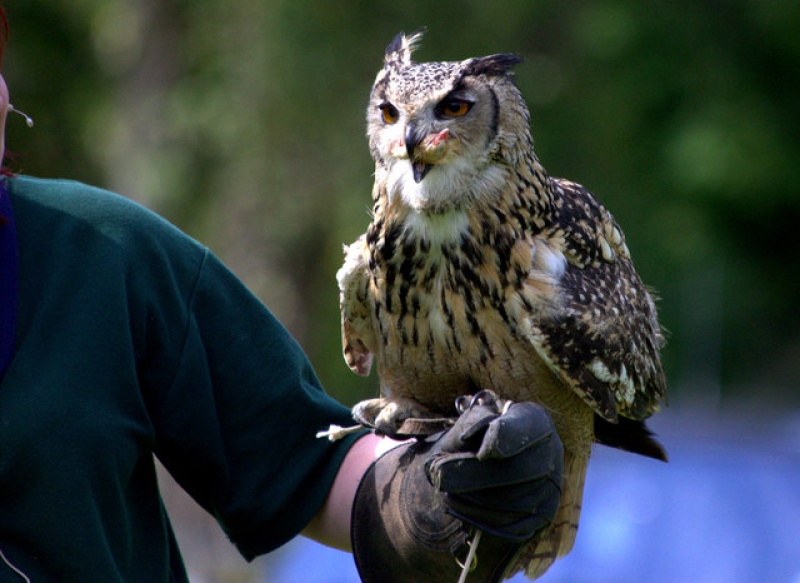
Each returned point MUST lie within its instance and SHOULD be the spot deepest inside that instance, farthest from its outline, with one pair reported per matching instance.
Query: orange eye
(389, 113)
(454, 107)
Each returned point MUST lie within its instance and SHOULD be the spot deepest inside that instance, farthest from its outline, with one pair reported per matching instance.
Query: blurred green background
(243, 123)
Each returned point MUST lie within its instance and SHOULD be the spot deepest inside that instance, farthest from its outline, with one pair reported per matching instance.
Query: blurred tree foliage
(243, 123)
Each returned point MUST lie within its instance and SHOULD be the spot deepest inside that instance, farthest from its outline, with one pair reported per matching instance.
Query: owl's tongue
(419, 170)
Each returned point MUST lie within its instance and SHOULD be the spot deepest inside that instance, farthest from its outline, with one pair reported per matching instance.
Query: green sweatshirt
(132, 340)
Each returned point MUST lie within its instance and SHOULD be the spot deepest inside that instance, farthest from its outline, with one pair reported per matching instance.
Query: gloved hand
(499, 472)
(419, 505)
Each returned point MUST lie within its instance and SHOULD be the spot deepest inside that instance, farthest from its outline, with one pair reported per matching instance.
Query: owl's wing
(604, 340)
(357, 331)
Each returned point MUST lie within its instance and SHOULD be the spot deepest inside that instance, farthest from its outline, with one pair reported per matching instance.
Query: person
(121, 339)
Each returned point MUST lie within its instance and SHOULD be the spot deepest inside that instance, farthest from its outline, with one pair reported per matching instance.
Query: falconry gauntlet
(495, 474)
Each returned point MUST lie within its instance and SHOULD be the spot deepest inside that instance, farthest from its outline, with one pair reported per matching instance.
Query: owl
(479, 270)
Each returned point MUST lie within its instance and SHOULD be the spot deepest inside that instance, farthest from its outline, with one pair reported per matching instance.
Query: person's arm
(331, 525)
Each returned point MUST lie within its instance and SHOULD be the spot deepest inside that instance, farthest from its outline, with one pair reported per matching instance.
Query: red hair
(3, 32)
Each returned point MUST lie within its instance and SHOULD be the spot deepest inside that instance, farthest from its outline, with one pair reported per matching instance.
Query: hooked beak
(413, 138)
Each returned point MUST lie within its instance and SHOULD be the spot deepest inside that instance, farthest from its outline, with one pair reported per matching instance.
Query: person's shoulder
(74, 198)
(37, 187)
(91, 207)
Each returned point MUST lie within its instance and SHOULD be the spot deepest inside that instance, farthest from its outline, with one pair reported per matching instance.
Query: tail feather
(628, 435)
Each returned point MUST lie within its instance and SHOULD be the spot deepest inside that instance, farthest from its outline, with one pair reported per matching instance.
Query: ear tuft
(398, 53)
(500, 64)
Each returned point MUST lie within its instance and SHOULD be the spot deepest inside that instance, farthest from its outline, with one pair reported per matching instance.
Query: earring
(28, 120)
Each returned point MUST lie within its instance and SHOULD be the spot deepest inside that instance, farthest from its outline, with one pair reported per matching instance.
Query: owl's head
(441, 131)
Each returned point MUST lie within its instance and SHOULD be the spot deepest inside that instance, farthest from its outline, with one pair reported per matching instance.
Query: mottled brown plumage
(479, 271)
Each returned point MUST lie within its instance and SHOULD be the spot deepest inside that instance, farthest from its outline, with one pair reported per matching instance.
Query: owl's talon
(463, 403)
(365, 412)
(486, 398)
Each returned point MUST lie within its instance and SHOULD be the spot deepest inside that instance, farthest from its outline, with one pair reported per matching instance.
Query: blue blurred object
(725, 509)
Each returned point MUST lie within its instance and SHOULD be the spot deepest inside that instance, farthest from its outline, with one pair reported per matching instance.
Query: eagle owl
(480, 271)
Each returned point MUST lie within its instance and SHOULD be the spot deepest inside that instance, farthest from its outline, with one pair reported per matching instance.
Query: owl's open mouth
(425, 150)
(419, 170)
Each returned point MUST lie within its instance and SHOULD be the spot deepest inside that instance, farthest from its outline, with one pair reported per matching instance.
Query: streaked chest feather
(455, 296)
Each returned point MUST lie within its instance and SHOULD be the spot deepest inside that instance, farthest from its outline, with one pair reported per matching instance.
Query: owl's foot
(387, 414)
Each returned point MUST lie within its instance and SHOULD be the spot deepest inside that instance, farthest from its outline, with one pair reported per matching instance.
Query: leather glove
(497, 469)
